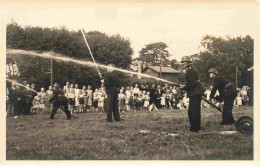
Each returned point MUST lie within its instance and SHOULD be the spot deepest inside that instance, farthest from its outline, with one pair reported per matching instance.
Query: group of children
(241, 98)
(136, 98)
(41, 102)
(129, 98)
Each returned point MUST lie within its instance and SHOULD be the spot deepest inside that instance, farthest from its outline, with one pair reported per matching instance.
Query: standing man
(194, 92)
(111, 83)
(158, 96)
(227, 93)
(17, 98)
(59, 100)
(27, 100)
(11, 100)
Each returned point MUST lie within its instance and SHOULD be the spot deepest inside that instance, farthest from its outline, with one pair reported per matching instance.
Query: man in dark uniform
(17, 98)
(59, 100)
(111, 83)
(194, 92)
(227, 93)
(158, 96)
(27, 100)
(153, 94)
(11, 100)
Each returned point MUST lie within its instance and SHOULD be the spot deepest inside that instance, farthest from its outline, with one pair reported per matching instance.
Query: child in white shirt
(163, 101)
(81, 101)
(42, 100)
(36, 102)
(121, 98)
(101, 99)
(146, 100)
(71, 97)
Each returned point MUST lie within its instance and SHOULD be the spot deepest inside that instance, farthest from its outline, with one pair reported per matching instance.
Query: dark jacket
(193, 86)
(17, 93)
(111, 82)
(224, 87)
(11, 95)
(159, 92)
(58, 97)
(27, 97)
(152, 95)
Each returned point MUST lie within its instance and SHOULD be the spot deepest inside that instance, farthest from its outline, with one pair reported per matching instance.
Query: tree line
(228, 55)
(105, 49)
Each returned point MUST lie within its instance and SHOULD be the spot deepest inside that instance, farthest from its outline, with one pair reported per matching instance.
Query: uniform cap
(185, 59)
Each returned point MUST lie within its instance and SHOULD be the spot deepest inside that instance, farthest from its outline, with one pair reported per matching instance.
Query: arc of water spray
(12, 81)
(82, 62)
(86, 42)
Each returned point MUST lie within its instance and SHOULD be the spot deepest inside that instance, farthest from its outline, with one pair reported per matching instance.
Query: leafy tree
(152, 53)
(226, 54)
(106, 49)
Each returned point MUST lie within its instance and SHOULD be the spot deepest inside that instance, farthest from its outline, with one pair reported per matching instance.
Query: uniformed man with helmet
(227, 93)
(59, 100)
(194, 92)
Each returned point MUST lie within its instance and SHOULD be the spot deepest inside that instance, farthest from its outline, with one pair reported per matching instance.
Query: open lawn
(162, 135)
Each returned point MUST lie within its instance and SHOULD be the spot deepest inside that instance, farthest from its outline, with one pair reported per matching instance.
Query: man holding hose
(194, 92)
(59, 100)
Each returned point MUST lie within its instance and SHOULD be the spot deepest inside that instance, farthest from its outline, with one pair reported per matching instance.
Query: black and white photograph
(138, 81)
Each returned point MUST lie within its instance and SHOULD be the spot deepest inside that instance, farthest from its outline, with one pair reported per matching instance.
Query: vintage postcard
(141, 82)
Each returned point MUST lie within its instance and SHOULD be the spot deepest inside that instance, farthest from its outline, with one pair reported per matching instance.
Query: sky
(180, 26)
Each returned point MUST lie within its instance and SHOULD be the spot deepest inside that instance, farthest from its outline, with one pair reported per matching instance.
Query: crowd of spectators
(22, 100)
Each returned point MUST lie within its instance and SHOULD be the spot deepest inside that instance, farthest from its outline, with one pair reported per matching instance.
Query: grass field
(141, 136)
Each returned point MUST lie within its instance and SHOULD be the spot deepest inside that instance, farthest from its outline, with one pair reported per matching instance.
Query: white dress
(146, 101)
(162, 100)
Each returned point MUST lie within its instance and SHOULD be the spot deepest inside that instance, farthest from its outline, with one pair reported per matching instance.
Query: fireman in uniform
(227, 93)
(194, 92)
(111, 83)
(59, 100)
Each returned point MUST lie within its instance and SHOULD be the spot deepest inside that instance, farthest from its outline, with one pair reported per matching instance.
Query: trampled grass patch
(90, 137)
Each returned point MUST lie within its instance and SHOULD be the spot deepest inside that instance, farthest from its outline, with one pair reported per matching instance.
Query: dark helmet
(185, 59)
(213, 70)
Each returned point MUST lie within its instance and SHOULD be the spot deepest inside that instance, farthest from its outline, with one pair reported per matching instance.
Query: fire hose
(243, 125)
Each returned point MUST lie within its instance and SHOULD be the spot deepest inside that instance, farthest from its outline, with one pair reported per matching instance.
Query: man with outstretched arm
(59, 100)
(227, 93)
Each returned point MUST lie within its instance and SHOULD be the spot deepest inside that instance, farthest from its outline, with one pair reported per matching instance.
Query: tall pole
(161, 69)
(236, 76)
(51, 72)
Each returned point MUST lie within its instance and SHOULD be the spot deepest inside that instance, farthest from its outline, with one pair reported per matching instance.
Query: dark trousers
(112, 107)
(167, 103)
(26, 109)
(176, 101)
(56, 106)
(227, 116)
(158, 102)
(17, 108)
(194, 112)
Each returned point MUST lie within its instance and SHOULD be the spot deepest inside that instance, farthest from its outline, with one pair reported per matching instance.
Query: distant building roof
(164, 69)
